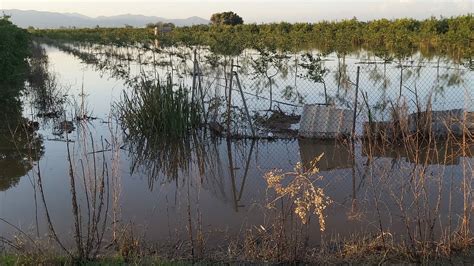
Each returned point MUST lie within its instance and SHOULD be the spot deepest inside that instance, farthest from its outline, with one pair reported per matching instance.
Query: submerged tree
(316, 71)
(267, 66)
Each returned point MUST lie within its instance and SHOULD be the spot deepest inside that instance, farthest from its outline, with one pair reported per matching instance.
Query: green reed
(159, 110)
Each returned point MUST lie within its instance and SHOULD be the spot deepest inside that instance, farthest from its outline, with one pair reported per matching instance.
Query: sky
(254, 10)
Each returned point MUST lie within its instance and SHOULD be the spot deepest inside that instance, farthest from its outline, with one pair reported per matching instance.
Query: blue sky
(255, 10)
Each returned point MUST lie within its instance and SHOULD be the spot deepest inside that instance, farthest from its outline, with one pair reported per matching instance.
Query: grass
(262, 248)
(159, 110)
(18, 259)
(160, 122)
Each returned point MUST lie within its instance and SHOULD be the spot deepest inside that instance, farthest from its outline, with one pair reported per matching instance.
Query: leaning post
(247, 113)
(229, 99)
(355, 103)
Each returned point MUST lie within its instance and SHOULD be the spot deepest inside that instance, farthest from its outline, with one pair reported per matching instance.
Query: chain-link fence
(329, 97)
(347, 97)
(274, 95)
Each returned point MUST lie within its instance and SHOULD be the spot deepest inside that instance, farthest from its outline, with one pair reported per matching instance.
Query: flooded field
(204, 190)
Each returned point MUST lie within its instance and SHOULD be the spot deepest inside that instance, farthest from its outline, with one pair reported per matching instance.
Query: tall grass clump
(160, 122)
(159, 110)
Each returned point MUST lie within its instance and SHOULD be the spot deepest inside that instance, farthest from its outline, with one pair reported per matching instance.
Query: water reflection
(157, 157)
(20, 145)
(226, 176)
(337, 155)
(448, 152)
(44, 93)
(237, 191)
(19, 150)
(197, 158)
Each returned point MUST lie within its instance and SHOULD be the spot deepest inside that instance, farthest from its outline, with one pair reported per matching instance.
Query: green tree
(161, 26)
(226, 18)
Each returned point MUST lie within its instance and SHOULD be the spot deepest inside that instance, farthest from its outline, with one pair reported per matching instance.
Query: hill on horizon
(54, 20)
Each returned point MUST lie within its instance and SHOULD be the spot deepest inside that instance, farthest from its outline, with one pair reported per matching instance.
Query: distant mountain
(53, 20)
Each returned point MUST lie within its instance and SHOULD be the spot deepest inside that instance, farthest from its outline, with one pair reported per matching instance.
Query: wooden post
(355, 103)
(156, 38)
(201, 93)
(229, 99)
(194, 77)
(245, 103)
(401, 80)
(246, 171)
(232, 174)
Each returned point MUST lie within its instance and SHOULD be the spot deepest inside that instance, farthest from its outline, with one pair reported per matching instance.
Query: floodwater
(219, 182)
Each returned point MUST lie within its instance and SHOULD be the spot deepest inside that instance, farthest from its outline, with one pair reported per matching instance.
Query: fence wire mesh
(374, 92)
(340, 94)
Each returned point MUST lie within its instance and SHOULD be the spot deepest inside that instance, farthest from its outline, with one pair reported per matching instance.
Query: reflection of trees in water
(20, 146)
(343, 82)
(419, 81)
(127, 63)
(341, 76)
(449, 79)
(46, 96)
(19, 149)
(469, 63)
(378, 75)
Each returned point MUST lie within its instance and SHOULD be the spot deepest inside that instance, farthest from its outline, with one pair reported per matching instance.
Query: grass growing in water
(160, 120)
(159, 110)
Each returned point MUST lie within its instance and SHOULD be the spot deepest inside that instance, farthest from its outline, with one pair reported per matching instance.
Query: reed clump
(159, 109)
(430, 143)
(161, 122)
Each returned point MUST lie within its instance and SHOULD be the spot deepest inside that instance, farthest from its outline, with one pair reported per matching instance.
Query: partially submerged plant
(316, 71)
(158, 110)
(160, 122)
(266, 67)
(306, 197)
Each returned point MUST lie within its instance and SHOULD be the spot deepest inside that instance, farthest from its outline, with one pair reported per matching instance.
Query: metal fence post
(355, 103)
(401, 80)
(229, 102)
(201, 93)
(245, 103)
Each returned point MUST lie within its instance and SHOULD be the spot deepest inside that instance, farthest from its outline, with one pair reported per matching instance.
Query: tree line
(386, 38)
